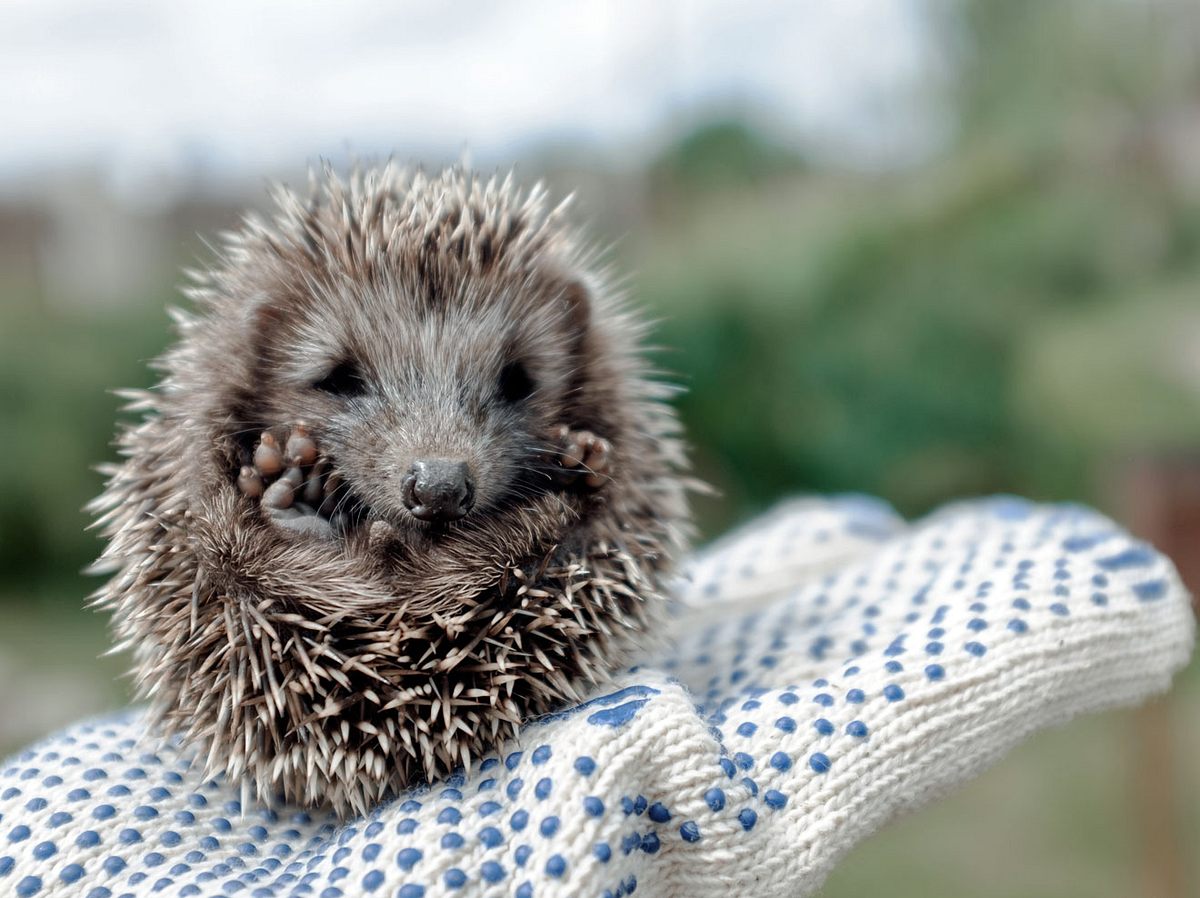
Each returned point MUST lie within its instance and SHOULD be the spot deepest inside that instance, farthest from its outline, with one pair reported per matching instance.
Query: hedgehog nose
(437, 489)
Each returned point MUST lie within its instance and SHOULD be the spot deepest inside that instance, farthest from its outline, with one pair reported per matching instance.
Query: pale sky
(148, 88)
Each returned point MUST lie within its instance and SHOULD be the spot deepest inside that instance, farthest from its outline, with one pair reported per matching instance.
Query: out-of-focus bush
(58, 415)
(1009, 317)
(719, 155)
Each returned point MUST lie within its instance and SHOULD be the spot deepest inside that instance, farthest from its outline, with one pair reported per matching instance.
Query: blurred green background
(1017, 310)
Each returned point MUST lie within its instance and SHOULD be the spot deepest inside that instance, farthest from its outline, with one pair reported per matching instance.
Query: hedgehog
(407, 481)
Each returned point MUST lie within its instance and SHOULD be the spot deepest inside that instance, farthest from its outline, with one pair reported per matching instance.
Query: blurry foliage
(891, 353)
(1003, 319)
(719, 154)
(59, 418)
(1007, 318)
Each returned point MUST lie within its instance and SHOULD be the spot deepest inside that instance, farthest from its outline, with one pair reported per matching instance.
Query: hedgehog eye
(344, 379)
(515, 383)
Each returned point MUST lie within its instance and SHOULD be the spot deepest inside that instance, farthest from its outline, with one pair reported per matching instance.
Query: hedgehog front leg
(291, 482)
(584, 457)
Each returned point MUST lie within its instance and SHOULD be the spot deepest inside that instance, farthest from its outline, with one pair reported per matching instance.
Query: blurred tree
(941, 331)
(60, 420)
(720, 154)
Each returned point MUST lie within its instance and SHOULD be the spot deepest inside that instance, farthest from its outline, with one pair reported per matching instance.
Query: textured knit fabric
(831, 666)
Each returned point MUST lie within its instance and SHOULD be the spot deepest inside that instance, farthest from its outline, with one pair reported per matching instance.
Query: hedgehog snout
(438, 489)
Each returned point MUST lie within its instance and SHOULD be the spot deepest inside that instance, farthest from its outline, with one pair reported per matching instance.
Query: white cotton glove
(831, 666)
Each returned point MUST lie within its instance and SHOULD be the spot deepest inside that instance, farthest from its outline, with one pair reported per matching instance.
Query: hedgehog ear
(265, 320)
(266, 316)
(577, 300)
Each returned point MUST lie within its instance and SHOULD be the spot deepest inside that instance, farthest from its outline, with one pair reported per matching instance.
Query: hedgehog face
(427, 412)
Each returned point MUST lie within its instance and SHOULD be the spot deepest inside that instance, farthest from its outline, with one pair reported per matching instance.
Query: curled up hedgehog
(407, 482)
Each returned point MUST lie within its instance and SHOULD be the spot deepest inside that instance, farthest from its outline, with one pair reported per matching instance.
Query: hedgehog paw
(292, 482)
(584, 458)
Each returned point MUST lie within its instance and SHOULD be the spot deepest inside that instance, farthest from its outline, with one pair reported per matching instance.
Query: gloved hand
(830, 666)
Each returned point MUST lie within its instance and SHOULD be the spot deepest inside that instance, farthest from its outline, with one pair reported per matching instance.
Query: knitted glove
(832, 667)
